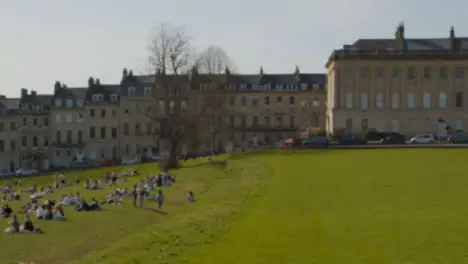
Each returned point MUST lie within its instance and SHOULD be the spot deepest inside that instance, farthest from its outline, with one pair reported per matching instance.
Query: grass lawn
(335, 206)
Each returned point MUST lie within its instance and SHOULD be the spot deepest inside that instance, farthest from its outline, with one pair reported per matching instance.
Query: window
(148, 91)
(459, 73)
(292, 122)
(379, 101)
(79, 102)
(459, 99)
(114, 132)
(127, 149)
(58, 136)
(395, 100)
(426, 100)
(292, 100)
(46, 121)
(12, 126)
(137, 128)
(243, 100)
(442, 100)
(131, 91)
(92, 132)
(411, 75)
(411, 100)
(363, 73)
(68, 118)
(443, 73)
(46, 141)
(97, 97)
(114, 113)
(267, 121)
(58, 102)
(279, 99)
(254, 101)
(80, 136)
(395, 126)
(57, 118)
(103, 113)
(69, 137)
(12, 145)
(35, 141)
(316, 102)
(395, 73)
(379, 73)
(267, 100)
(349, 100)
(232, 121)
(458, 125)
(69, 103)
(91, 112)
(57, 155)
(103, 132)
(25, 121)
(24, 141)
(364, 124)
(114, 97)
(232, 100)
(364, 100)
(254, 121)
(35, 122)
(126, 129)
(427, 73)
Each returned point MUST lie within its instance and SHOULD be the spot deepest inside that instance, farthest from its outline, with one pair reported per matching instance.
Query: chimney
(453, 39)
(261, 70)
(64, 86)
(227, 71)
(98, 82)
(400, 32)
(33, 93)
(297, 74)
(130, 73)
(24, 92)
(90, 82)
(57, 87)
(124, 73)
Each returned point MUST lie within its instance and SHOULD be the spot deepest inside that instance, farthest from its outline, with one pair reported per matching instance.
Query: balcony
(69, 144)
(265, 128)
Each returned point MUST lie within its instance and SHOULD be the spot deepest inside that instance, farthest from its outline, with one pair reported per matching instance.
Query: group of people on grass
(53, 210)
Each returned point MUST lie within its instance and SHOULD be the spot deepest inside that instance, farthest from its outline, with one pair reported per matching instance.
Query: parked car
(352, 139)
(458, 139)
(292, 143)
(26, 172)
(394, 139)
(423, 139)
(131, 161)
(316, 142)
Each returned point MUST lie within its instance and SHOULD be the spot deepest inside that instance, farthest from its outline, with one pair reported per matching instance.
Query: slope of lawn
(354, 207)
(123, 234)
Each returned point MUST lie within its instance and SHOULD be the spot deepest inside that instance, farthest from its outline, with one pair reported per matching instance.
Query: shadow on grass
(158, 211)
(215, 163)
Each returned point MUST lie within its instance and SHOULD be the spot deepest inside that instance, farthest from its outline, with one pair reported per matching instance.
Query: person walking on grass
(160, 199)
(134, 195)
(142, 195)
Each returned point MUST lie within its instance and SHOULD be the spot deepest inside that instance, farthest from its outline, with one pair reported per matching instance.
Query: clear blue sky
(69, 40)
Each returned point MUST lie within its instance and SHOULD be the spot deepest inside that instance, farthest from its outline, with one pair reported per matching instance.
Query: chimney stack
(98, 82)
(130, 73)
(124, 73)
(56, 87)
(261, 70)
(24, 92)
(400, 32)
(90, 82)
(33, 93)
(453, 39)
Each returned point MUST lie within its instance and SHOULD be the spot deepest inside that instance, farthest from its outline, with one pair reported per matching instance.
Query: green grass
(342, 206)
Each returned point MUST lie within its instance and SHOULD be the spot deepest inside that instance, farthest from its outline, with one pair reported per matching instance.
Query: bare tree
(216, 69)
(171, 60)
(183, 112)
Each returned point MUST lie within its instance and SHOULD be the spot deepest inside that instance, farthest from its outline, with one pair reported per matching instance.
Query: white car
(423, 139)
(26, 172)
(132, 161)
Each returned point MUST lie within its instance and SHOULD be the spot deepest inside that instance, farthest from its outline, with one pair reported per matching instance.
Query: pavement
(383, 146)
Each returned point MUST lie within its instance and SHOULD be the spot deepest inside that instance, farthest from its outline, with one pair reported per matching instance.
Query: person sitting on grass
(87, 184)
(40, 212)
(58, 213)
(94, 205)
(28, 226)
(6, 211)
(82, 206)
(190, 197)
(48, 214)
(14, 226)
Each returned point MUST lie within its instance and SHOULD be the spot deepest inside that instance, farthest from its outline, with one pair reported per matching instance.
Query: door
(46, 163)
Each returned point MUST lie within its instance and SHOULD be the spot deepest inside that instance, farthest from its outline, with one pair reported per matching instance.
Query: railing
(68, 144)
(266, 128)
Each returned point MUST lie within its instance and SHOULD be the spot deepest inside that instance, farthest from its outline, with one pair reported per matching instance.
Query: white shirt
(40, 212)
(66, 200)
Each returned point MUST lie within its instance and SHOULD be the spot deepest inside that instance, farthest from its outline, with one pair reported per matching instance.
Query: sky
(69, 41)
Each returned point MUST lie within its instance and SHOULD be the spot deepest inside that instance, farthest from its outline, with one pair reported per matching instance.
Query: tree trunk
(172, 162)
